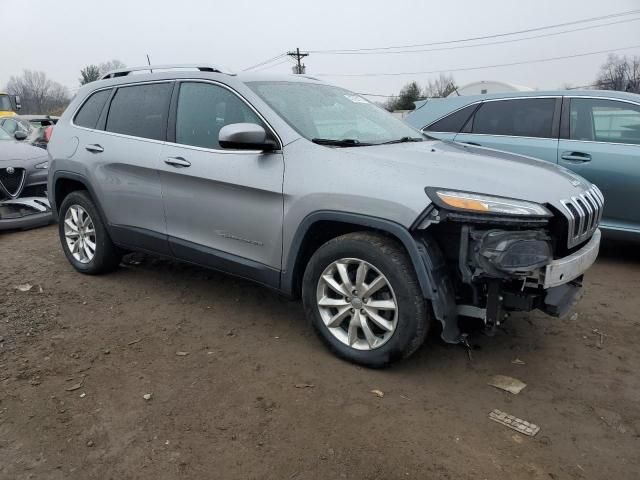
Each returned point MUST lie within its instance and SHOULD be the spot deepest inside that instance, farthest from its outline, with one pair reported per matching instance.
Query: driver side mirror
(20, 135)
(17, 102)
(245, 136)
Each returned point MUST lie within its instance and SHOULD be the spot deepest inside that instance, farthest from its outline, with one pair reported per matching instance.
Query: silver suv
(313, 191)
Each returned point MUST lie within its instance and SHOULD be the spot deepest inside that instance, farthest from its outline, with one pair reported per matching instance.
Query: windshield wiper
(345, 142)
(402, 140)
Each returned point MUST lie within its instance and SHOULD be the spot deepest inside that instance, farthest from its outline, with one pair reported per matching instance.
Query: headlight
(478, 203)
(43, 165)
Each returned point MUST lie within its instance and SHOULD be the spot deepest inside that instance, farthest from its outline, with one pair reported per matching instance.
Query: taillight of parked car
(47, 133)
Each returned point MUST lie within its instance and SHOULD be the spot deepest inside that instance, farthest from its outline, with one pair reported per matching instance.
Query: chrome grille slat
(598, 194)
(590, 213)
(583, 213)
(594, 207)
(571, 218)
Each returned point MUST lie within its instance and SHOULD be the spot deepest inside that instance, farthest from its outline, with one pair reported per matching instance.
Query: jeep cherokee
(311, 190)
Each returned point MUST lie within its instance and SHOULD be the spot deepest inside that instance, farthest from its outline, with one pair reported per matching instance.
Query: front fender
(365, 221)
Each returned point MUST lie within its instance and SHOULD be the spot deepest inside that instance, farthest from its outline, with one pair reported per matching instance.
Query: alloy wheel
(357, 304)
(80, 234)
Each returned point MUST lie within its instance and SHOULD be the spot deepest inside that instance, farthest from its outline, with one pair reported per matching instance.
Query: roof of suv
(178, 74)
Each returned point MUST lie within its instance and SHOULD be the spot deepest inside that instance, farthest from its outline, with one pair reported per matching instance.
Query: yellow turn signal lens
(464, 203)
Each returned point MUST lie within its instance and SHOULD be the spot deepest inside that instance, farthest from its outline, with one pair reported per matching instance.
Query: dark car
(34, 126)
(23, 184)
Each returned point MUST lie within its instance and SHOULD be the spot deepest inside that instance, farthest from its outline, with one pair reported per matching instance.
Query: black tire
(107, 256)
(389, 258)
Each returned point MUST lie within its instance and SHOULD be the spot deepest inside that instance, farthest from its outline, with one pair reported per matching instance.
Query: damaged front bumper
(563, 270)
(24, 213)
(499, 272)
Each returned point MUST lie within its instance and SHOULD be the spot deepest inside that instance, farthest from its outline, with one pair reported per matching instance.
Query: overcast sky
(61, 37)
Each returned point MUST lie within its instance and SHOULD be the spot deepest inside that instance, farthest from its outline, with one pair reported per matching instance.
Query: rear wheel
(363, 298)
(84, 238)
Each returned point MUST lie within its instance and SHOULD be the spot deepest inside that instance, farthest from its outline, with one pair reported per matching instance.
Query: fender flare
(64, 174)
(287, 277)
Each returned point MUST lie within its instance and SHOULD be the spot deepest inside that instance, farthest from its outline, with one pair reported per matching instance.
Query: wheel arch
(65, 183)
(319, 227)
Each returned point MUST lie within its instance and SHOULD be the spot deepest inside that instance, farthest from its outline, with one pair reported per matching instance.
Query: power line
(277, 57)
(286, 60)
(464, 69)
(484, 37)
(499, 42)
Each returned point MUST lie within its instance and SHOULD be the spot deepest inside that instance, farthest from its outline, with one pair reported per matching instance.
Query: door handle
(178, 162)
(95, 148)
(472, 143)
(576, 156)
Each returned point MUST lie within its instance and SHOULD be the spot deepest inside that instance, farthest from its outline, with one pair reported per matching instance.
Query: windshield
(5, 103)
(323, 112)
(4, 135)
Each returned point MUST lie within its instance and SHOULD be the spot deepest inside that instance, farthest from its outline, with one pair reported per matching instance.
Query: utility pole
(299, 68)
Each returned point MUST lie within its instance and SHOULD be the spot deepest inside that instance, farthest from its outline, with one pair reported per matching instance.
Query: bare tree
(38, 93)
(89, 74)
(440, 87)
(620, 73)
(105, 67)
(93, 72)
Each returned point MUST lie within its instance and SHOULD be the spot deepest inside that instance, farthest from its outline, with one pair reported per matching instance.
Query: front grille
(12, 183)
(584, 212)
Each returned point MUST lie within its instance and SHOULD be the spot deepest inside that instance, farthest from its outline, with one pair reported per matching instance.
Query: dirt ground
(242, 389)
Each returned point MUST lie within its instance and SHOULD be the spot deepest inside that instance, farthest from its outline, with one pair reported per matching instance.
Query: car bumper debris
(25, 213)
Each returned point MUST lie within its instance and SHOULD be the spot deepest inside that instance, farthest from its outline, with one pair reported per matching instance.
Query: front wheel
(363, 298)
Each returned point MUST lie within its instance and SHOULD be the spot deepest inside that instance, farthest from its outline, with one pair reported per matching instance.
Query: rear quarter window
(454, 121)
(140, 110)
(90, 111)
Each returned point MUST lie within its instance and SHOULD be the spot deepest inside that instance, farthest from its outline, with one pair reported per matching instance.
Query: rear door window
(453, 122)
(140, 110)
(604, 121)
(90, 111)
(530, 117)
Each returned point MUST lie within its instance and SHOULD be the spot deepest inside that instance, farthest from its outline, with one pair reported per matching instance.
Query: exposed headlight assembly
(480, 203)
(42, 166)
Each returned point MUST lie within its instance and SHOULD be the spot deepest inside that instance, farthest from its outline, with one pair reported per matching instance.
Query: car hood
(14, 151)
(473, 169)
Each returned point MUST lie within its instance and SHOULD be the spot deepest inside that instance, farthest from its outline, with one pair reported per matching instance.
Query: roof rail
(123, 72)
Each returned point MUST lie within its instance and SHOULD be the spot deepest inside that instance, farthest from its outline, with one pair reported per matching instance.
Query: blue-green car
(595, 133)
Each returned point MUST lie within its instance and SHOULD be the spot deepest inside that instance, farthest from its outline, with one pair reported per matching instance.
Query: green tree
(89, 74)
(408, 94)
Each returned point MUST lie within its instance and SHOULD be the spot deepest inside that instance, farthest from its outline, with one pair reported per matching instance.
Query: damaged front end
(23, 204)
(490, 265)
(24, 213)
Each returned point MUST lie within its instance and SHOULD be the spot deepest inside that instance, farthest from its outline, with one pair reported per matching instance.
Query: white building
(488, 86)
